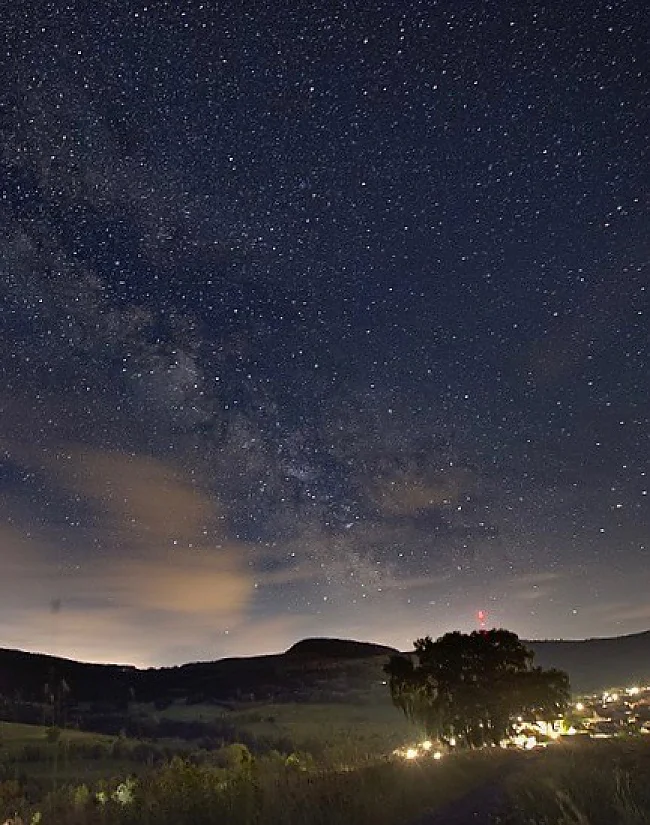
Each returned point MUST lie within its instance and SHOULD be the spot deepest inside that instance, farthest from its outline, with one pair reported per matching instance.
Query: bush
(233, 757)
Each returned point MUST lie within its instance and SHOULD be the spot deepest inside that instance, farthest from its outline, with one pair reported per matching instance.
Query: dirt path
(481, 805)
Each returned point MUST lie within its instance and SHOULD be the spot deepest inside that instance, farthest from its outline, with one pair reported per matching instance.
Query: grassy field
(29, 750)
(585, 783)
(570, 783)
(392, 793)
(385, 794)
(275, 793)
(355, 731)
(14, 736)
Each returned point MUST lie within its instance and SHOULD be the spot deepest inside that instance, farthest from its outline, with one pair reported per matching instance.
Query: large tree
(473, 686)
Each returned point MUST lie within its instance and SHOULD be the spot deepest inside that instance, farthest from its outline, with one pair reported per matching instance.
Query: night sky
(321, 318)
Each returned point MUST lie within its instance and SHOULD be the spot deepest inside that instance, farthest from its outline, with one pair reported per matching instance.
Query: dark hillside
(303, 675)
(27, 675)
(339, 648)
(593, 664)
(313, 670)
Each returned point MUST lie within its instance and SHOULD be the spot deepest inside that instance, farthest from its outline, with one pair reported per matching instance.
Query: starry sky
(321, 319)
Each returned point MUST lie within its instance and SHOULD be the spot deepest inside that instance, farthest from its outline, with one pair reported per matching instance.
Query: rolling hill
(312, 670)
(593, 664)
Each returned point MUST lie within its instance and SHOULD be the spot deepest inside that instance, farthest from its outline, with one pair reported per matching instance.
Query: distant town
(617, 712)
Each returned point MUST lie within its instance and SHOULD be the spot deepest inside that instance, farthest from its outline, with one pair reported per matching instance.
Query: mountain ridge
(312, 669)
(535, 643)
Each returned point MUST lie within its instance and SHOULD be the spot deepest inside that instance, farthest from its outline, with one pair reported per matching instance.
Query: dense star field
(321, 319)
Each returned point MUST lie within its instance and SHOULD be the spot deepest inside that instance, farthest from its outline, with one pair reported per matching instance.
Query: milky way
(321, 319)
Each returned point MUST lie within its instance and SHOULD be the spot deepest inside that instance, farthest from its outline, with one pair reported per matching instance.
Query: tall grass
(590, 783)
(181, 793)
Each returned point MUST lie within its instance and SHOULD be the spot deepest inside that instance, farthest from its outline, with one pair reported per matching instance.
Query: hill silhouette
(339, 648)
(312, 670)
(593, 664)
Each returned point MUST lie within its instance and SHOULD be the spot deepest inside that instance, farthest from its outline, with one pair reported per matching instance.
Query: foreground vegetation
(269, 791)
(576, 782)
(584, 783)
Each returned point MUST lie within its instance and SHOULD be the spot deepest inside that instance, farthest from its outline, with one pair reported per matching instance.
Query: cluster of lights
(623, 696)
(524, 739)
(615, 696)
(415, 751)
(528, 728)
(527, 741)
(635, 690)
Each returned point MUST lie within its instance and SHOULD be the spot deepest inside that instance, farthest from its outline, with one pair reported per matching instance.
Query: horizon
(262, 654)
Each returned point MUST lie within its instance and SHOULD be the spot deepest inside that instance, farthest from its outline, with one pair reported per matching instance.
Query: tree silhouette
(472, 686)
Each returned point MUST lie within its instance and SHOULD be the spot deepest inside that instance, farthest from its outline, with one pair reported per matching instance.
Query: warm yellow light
(411, 753)
(437, 755)
(452, 742)
(426, 745)
(614, 697)
(579, 706)
(633, 691)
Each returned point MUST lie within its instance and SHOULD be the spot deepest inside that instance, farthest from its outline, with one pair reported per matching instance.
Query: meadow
(603, 782)
(49, 756)
(337, 769)
(332, 733)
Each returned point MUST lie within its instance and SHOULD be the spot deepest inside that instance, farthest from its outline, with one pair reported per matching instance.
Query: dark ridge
(339, 649)
(312, 670)
(593, 664)
(30, 676)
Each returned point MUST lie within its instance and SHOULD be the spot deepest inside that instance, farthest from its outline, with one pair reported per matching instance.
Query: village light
(411, 753)
(579, 706)
(426, 745)
(452, 742)
(437, 755)
(633, 691)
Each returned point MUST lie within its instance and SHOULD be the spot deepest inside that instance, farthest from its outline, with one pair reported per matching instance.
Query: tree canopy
(472, 687)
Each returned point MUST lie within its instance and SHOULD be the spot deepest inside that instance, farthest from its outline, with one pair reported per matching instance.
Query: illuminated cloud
(149, 502)
(204, 586)
(166, 568)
